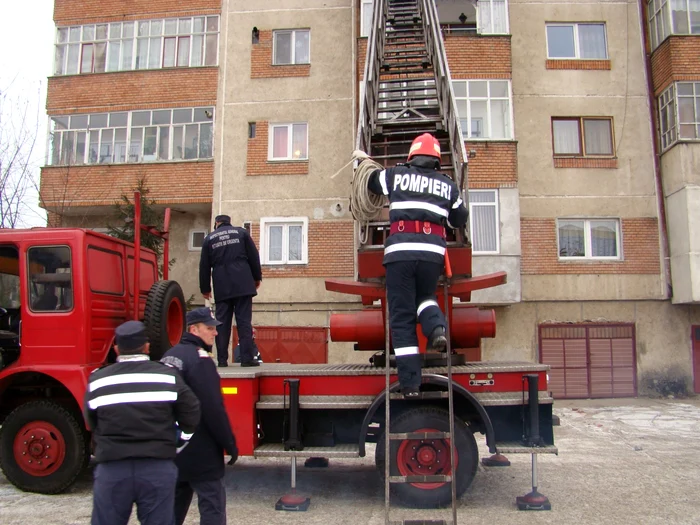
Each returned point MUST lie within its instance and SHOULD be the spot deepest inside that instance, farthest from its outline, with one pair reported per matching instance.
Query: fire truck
(65, 290)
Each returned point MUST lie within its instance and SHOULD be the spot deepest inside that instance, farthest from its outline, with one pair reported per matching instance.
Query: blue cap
(201, 315)
(130, 335)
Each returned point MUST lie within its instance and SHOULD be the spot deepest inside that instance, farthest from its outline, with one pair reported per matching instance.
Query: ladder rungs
(400, 436)
(420, 479)
(423, 395)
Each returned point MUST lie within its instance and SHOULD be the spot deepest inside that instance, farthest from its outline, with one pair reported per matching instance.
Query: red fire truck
(63, 291)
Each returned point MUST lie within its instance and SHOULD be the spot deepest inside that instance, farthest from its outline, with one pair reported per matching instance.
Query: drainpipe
(663, 228)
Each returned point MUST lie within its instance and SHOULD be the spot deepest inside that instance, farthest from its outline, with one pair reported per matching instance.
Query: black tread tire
(466, 450)
(155, 317)
(77, 451)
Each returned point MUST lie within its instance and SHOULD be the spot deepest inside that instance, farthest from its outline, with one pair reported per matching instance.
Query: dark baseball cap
(201, 315)
(222, 218)
(130, 335)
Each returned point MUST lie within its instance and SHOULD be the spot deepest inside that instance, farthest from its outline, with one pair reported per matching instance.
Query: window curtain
(492, 16)
(274, 244)
(603, 239)
(598, 137)
(694, 9)
(566, 137)
(484, 222)
(592, 41)
(295, 243)
(280, 137)
(679, 16)
(571, 239)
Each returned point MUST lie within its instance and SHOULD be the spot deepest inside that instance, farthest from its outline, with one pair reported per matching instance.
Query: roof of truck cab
(40, 232)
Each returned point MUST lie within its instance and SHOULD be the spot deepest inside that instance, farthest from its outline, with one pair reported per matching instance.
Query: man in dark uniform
(232, 257)
(132, 408)
(421, 202)
(256, 351)
(201, 463)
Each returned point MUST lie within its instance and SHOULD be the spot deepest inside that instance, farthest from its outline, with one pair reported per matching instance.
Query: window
(679, 17)
(131, 137)
(583, 137)
(576, 41)
(589, 238)
(196, 239)
(492, 17)
(288, 142)
(679, 113)
(484, 108)
(49, 275)
(9, 282)
(667, 117)
(366, 12)
(284, 240)
(291, 47)
(145, 44)
(484, 221)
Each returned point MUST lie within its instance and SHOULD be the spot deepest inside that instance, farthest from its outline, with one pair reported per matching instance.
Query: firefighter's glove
(234, 457)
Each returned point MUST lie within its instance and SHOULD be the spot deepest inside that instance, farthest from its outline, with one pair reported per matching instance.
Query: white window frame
(495, 205)
(668, 117)
(365, 4)
(266, 222)
(482, 4)
(293, 32)
(577, 50)
(126, 44)
(587, 239)
(190, 242)
(290, 141)
(467, 136)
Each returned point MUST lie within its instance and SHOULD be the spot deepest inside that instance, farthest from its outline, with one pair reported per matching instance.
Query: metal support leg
(293, 501)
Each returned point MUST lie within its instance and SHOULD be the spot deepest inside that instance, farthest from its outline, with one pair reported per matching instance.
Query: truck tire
(164, 317)
(430, 457)
(43, 447)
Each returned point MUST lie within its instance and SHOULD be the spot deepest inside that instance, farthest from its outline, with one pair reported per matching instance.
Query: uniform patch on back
(202, 352)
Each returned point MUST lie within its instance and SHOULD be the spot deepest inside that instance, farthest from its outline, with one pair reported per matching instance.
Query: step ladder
(390, 396)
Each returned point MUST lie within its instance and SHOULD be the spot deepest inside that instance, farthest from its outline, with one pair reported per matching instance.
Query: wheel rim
(425, 457)
(39, 448)
(174, 319)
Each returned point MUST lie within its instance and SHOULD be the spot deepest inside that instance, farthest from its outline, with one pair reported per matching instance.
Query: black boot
(437, 340)
(410, 392)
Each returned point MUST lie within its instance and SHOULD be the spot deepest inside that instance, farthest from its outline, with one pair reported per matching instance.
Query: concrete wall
(185, 270)
(662, 331)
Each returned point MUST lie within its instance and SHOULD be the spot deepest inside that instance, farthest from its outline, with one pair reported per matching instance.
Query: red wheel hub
(39, 448)
(174, 319)
(425, 457)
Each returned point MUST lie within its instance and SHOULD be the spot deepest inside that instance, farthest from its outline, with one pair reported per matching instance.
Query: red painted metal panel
(291, 344)
(240, 396)
(598, 360)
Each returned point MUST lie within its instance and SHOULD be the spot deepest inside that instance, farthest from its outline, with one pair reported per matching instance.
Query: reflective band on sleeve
(406, 350)
(418, 205)
(131, 378)
(457, 204)
(132, 397)
(426, 304)
(382, 181)
(414, 246)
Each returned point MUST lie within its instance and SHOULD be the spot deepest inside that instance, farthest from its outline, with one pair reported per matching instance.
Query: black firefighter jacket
(418, 192)
(203, 458)
(231, 259)
(132, 407)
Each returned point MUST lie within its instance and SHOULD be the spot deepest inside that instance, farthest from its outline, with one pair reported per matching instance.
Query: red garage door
(291, 344)
(590, 360)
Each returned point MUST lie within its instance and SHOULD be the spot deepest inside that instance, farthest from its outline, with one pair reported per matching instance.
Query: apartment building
(133, 97)
(579, 119)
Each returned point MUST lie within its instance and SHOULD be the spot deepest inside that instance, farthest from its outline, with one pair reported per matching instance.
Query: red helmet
(425, 144)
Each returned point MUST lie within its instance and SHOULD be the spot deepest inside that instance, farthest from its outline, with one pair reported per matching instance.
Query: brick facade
(578, 64)
(261, 61)
(256, 157)
(331, 252)
(585, 162)
(676, 59)
(479, 56)
(639, 246)
(153, 89)
(494, 166)
(74, 12)
(103, 184)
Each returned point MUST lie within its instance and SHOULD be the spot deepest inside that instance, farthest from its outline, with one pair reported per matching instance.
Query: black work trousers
(242, 307)
(150, 483)
(410, 288)
(211, 501)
